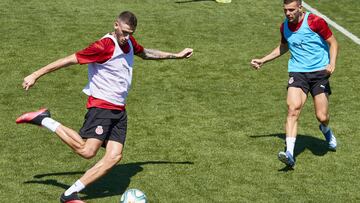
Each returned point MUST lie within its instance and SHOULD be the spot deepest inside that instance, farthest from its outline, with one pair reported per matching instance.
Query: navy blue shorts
(104, 124)
(314, 82)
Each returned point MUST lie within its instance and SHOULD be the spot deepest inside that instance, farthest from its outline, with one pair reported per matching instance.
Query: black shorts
(314, 82)
(104, 124)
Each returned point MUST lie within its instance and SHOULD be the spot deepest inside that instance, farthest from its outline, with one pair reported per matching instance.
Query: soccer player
(313, 50)
(110, 65)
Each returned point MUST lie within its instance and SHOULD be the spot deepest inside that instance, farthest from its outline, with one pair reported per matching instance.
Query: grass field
(207, 129)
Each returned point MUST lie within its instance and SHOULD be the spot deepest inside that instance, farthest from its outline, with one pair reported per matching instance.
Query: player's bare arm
(152, 54)
(277, 52)
(333, 50)
(30, 80)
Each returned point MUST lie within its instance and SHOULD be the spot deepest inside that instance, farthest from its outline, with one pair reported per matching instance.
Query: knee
(322, 117)
(114, 159)
(111, 160)
(293, 111)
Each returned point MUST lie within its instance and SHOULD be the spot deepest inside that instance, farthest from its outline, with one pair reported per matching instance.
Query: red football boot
(34, 117)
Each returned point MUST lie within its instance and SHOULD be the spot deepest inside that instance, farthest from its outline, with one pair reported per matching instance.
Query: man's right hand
(256, 63)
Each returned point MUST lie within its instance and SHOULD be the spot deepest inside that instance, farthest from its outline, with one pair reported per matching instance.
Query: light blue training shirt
(309, 51)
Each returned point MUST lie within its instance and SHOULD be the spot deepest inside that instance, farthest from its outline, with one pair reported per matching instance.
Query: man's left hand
(330, 69)
(186, 53)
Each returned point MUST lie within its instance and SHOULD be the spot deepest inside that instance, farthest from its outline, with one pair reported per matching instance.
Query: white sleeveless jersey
(111, 81)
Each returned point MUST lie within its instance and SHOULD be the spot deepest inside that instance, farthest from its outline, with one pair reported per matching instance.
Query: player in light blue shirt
(313, 51)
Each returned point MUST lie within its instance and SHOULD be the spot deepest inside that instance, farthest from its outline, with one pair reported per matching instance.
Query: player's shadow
(191, 1)
(317, 146)
(112, 184)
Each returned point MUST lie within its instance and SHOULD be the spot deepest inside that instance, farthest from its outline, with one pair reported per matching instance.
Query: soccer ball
(133, 196)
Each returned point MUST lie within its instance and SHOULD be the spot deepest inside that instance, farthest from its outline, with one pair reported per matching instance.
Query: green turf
(207, 129)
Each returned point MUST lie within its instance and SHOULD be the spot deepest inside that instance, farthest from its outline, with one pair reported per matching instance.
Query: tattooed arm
(156, 54)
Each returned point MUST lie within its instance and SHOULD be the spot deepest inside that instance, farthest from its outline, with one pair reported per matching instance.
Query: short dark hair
(290, 1)
(129, 18)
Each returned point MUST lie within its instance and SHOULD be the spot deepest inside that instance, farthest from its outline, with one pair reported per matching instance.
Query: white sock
(50, 124)
(290, 144)
(76, 187)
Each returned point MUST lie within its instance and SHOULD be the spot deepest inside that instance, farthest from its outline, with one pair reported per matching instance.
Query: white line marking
(332, 23)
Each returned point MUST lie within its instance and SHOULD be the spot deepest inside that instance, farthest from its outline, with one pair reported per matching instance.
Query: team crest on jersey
(99, 130)
(291, 80)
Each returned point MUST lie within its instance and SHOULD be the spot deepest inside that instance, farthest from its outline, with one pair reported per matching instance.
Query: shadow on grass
(112, 184)
(317, 146)
(191, 1)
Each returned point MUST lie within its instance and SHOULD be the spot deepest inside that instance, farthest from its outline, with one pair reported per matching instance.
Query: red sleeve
(283, 40)
(319, 25)
(97, 52)
(137, 47)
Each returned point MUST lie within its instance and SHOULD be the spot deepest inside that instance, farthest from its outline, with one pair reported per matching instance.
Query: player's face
(122, 32)
(293, 11)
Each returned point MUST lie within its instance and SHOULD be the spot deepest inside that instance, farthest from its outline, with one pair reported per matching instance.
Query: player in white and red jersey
(110, 63)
